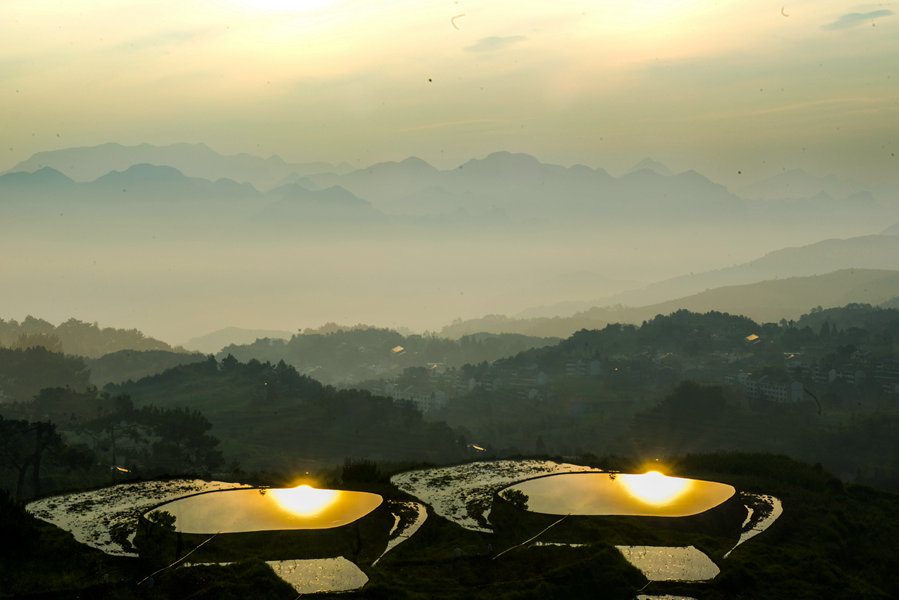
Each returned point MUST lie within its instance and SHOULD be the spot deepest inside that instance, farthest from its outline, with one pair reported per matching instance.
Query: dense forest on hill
(833, 540)
(344, 356)
(74, 337)
(118, 367)
(65, 438)
(270, 416)
(24, 372)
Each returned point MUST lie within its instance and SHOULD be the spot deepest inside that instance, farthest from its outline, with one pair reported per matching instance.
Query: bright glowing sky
(716, 86)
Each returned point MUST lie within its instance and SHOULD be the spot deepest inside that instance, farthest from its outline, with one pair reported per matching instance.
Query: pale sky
(716, 86)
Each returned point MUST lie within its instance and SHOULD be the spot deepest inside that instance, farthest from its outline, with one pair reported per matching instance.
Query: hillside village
(780, 363)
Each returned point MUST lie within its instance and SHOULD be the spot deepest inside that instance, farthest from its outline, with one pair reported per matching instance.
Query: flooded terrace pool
(646, 495)
(269, 509)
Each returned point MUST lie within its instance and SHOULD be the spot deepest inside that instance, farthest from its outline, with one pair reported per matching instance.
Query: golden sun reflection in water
(655, 488)
(304, 500)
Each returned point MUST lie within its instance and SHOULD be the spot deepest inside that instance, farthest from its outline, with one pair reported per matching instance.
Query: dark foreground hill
(832, 541)
(269, 416)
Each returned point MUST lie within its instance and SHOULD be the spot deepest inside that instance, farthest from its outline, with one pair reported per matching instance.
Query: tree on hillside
(22, 447)
(182, 442)
(152, 439)
(691, 418)
(14, 453)
(46, 341)
(23, 373)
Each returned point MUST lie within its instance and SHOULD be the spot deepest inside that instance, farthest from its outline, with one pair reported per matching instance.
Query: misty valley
(225, 376)
(183, 229)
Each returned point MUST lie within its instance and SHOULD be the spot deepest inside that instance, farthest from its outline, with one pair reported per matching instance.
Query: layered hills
(868, 252)
(767, 301)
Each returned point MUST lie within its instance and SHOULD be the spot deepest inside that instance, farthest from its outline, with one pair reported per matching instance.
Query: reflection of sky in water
(650, 494)
(304, 500)
(234, 511)
(655, 488)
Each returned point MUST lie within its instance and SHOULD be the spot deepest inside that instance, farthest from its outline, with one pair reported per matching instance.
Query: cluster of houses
(791, 385)
(527, 383)
(797, 381)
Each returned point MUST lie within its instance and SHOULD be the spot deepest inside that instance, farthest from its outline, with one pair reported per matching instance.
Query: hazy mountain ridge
(132, 365)
(507, 188)
(197, 160)
(167, 183)
(520, 184)
(651, 165)
(335, 203)
(863, 252)
(767, 301)
(173, 203)
(214, 341)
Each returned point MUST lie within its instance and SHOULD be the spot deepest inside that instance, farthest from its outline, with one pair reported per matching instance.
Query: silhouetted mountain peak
(503, 165)
(416, 163)
(697, 178)
(409, 166)
(504, 158)
(43, 176)
(142, 173)
(648, 164)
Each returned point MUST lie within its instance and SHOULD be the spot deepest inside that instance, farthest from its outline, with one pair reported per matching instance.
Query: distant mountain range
(194, 160)
(766, 301)
(513, 190)
(522, 187)
(651, 165)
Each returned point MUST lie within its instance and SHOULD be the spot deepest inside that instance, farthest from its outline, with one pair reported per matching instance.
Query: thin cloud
(479, 122)
(494, 43)
(171, 38)
(855, 19)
